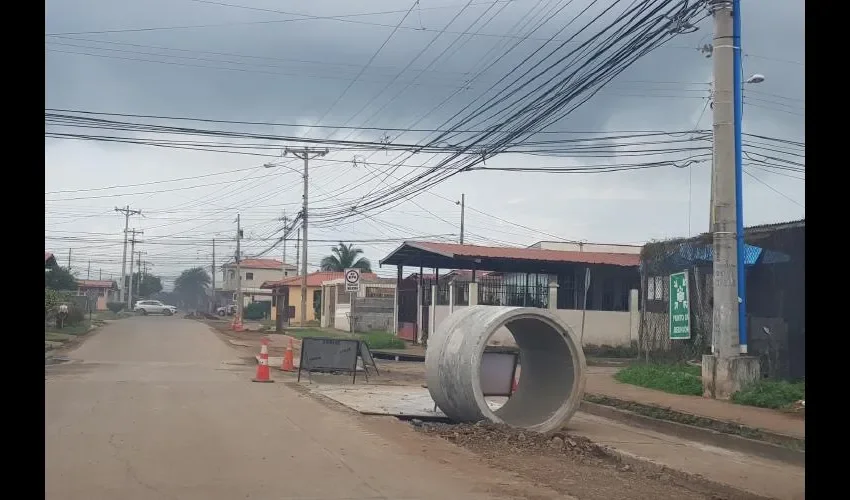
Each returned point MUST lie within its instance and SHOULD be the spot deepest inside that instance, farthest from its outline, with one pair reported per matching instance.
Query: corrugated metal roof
(529, 254)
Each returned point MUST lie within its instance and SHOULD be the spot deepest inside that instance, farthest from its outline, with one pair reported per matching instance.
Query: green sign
(680, 308)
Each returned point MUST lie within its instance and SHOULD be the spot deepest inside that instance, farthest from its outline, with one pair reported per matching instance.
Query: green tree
(192, 285)
(344, 257)
(59, 278)
(149, 285)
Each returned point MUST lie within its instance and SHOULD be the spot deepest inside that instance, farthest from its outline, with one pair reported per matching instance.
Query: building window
(249, 276)
(232, 274)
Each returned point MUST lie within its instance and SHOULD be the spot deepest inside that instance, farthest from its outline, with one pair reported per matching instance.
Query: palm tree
(344, 257)
(192, 285)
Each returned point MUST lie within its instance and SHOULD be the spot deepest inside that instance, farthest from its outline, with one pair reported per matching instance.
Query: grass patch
(675, 379)
(696, 421)
(775, 394)
(75, 330)
(375, 340)
(382, 340)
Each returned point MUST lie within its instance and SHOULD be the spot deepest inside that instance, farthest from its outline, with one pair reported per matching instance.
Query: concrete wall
(612, 328)
(341, 317)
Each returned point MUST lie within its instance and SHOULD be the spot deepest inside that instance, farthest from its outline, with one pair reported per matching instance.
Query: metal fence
(500, 293)
(775, 280)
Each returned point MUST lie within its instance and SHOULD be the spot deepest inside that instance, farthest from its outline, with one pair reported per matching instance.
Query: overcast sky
(240, 60)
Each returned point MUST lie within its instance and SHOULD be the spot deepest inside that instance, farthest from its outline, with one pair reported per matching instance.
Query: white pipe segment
(550, 388)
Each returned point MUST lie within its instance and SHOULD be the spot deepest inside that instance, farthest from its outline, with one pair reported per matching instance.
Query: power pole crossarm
(305, 154)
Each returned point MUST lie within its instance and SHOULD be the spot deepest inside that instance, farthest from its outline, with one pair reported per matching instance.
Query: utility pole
(726, 370)
(285, 232)
(88, 271)
(298, 252)
(462, 204)
(305, 154)
(213, 278)
(100, 274)
(139, 266)
(69, 260)
(132, 252)
(127, 213)
(239, 299)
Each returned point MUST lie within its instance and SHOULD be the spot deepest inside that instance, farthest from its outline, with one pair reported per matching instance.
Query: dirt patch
(670, 415)
(570, 464)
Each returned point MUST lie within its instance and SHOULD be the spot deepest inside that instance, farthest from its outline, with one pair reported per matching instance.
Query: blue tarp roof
(752, 254)
(687, 256)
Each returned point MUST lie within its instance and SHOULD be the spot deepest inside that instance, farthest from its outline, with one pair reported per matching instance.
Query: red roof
(95, 284)
(259, 264)
(475, 251)
(314, 279)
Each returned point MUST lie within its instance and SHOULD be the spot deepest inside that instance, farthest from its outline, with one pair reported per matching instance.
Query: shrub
(775, 394)
(257, 310)
(115, 307)
(52, 298)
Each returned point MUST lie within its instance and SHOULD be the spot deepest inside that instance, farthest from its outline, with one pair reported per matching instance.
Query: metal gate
(407, 314)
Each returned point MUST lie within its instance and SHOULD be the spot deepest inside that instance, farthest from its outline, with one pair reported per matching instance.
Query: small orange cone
(263, 374)
(288, 363)
(237, 326)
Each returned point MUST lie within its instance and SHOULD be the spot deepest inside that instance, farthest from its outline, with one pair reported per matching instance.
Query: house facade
(254, 273)
(286, 297)
(103, 291)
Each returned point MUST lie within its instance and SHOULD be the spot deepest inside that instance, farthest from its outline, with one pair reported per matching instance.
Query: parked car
(226, 310)
(145, 307)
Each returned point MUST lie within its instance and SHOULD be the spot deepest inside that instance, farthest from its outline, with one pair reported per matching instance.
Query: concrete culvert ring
(552, 383)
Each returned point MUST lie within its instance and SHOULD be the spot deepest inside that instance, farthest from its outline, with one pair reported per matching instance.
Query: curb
(693, 433)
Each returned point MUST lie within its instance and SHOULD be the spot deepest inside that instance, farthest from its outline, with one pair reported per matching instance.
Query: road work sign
(352, 280)
(680, 307)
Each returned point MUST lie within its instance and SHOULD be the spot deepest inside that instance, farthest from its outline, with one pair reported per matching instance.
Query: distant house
(287, 295)
(104, 291)
(254, 273)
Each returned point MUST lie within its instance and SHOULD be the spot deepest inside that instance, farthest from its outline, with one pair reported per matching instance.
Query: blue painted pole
(739, 174)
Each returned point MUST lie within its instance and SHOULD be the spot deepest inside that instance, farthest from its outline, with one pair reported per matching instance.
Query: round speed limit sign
(352, 279)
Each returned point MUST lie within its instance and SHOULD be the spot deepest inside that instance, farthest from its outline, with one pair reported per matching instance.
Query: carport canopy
(499, 259)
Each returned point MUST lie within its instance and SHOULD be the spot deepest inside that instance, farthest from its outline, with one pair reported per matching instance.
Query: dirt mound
(486, 436)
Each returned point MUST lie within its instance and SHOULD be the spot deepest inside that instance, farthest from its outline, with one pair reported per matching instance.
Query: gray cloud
(290, 72)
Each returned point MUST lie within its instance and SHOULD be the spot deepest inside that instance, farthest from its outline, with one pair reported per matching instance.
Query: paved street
(156, 407)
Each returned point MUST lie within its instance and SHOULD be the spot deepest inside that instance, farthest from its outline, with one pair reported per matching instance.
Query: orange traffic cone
(237, 326)
(263, 374)
(288, 364)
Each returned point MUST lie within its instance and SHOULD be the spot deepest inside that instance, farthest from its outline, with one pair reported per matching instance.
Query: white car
(145, 307)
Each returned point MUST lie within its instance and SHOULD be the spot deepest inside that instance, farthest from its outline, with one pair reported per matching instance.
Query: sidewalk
(600, 380)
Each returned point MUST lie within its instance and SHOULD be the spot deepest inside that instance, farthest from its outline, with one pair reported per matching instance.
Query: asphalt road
(156, 407)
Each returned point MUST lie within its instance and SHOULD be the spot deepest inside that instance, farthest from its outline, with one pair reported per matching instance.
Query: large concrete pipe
(550, 388)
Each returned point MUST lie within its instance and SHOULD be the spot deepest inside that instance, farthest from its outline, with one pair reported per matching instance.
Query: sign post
(680, 307)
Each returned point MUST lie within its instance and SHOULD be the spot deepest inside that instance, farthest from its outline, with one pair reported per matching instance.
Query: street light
(739, 198)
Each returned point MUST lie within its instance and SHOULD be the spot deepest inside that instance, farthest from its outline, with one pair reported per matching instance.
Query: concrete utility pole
(239, 299)
(462, 204)
(213, 278)
(298, 252)
(305, 154)
(127, 213)
(139, 266)
(285, 232)
(69, 260)
(88, 271)
(726, 370)
(132, 252)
